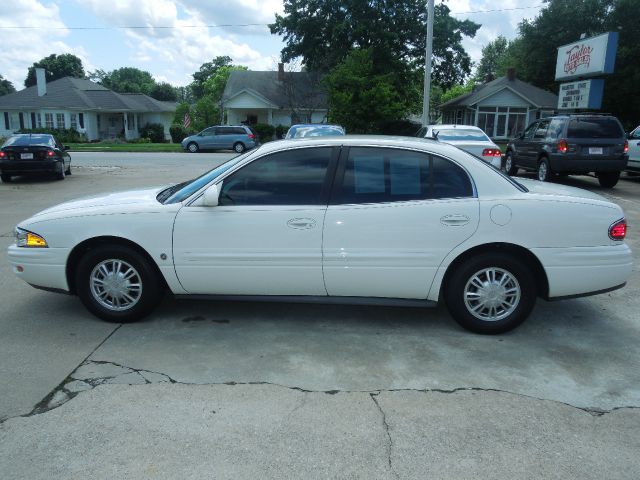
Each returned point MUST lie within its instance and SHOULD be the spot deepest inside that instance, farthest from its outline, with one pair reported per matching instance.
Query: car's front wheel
(608, 179)
(490, 293)
(193, 147)
(117, 284)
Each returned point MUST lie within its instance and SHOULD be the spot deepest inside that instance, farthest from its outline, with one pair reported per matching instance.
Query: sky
(109, 34)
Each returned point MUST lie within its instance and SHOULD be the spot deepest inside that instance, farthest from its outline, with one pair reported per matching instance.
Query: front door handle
(454, 220)
(301, 223)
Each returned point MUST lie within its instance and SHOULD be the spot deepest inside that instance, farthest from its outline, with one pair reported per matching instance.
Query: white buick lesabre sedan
(372, 220)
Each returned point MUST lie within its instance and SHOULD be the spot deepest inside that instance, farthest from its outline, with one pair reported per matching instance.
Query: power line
(498, 10)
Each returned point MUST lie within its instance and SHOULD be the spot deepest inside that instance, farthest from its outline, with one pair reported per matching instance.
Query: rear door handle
(301, 223)
(454, 220)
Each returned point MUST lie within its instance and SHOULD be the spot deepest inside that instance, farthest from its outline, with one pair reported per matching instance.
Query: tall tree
(129, 80)
(323, 32)
(6, 86)
(206, 71)
(492, 61)
(56, 66)
(164, 91)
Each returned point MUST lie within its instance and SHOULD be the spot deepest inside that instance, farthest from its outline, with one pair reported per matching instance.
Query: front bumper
(22, 167)
(41, 267)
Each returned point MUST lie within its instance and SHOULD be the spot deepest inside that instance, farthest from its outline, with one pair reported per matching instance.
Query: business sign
(590, 57)
(581, 94)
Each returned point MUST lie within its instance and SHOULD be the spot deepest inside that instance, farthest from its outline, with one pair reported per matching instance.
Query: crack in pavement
(385, 425)
(115, 373)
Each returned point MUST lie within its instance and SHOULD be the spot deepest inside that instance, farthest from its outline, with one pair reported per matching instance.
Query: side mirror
(66, 147)
(211, 196)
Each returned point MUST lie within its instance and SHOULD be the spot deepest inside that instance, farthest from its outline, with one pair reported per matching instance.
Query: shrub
(63, 135)
(264, 131)
(140, 140)
(281, 131)
(178, 133)
(154, 131)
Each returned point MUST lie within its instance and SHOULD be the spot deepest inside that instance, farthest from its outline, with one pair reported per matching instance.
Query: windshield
(25, 140)
(461, 135)
(177, 193)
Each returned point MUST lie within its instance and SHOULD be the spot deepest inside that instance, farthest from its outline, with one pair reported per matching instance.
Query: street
(248, 389)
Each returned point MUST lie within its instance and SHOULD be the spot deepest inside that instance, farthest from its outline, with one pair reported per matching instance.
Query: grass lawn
(125, 147)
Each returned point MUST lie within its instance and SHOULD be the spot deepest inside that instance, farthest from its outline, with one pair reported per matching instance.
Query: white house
(82, 105)
(275, 98)
(501, 107)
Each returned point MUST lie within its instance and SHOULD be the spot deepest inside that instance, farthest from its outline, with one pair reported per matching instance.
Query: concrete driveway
(260, 390)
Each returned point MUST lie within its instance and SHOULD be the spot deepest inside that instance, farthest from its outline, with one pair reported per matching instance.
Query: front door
(265, 236)
(394, 216)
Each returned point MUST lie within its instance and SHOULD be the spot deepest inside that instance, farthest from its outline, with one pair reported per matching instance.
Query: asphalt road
(246, 390)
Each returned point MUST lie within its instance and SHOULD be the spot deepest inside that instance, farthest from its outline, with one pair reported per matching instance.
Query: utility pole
(427, 65)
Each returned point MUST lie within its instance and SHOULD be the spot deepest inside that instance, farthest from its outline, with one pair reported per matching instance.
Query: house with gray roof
(275, 98)
(501, 107)
(82, 105)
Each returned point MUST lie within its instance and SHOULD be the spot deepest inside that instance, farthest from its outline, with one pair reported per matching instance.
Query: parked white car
(467, 137)
(371, 220)
(634, 151)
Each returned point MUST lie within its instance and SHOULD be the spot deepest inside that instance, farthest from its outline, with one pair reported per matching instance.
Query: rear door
(634, 149)
(393, 217)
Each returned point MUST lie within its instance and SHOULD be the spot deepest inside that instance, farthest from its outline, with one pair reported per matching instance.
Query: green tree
(323, 32)
(457, 90)
(492, 61)
(360, 99)
(6, 86)
(206, 71)
(216, 83)
(129, 80)
(164, 91)
(56, 66)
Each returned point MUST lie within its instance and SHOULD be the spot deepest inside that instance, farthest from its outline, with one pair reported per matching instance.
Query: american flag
(186, 121)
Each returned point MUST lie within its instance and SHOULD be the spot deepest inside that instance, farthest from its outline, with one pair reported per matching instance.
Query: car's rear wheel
(490, 293)
(68, 170)
(239, 147)
(117, 284)
(509, 167)
(544, 171)
(193, 147)
(5, 177)
(61, 172)
(608, 179)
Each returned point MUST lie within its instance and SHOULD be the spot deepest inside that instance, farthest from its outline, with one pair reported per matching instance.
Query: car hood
(109, 203)
(554, 189)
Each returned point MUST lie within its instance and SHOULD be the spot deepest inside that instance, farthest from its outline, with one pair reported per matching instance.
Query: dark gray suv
(571, 144)
(222, 137)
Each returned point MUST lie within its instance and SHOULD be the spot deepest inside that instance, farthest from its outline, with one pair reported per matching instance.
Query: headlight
(29, 239)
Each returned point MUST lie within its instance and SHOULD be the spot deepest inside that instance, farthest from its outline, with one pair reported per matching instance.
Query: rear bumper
(580, 164)
(578, 271)
(20, 167)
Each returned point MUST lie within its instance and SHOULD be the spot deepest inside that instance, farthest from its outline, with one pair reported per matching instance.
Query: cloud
(41, 33)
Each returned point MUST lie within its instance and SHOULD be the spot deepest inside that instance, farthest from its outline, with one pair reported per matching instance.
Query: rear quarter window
(594, 128)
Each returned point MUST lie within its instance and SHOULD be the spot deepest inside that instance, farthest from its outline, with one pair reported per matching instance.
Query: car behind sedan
(361, 220)
(31, 153)
(314, 130)
(469, 138)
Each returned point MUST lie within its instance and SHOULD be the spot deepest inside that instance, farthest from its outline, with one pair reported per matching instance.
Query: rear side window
(594, 127)
(381, 175)
(555, 129)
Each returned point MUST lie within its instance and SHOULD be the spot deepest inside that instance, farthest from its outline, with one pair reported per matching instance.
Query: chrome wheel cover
(507, 164)
(115, 285)
(542, 172)
(492, 294)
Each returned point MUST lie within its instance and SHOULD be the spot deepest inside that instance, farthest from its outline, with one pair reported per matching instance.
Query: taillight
(618, 230)
(3, 155)
(50, 153)
(252, 136)
(491, 152)
(563, 146)
(626, 146)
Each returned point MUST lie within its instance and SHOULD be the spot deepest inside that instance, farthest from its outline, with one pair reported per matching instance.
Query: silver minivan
(223, 137)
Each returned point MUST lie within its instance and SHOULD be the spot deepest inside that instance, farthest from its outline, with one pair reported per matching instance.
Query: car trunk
(30, 152)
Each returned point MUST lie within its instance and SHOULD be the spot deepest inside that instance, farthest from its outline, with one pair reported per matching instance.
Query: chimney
(511, 74)
(41, 82)
(489, 77)
(281, 72)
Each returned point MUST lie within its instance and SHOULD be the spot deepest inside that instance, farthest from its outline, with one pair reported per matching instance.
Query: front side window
(208, 132)
(541, 130)
(528, 133)
(381, 175)
(293, 177)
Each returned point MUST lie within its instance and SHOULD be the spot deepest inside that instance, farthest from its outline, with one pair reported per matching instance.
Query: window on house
(81, 119)
(21, 120)
(130, 121)
(60, 120)
(98, 121)
(48, 120)
(38, 120)
(7, 126)
(74, 121)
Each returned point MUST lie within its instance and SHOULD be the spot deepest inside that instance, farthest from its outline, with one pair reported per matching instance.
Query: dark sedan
(26, 154)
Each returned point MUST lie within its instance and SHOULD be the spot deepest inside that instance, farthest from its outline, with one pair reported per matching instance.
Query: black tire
(62, 173)
(239, 147)
(193, 147)
(5, 177)
(508, 166)
(146, 297)
(608, 179)
(544, 170)
(68, 170)
(518, 307)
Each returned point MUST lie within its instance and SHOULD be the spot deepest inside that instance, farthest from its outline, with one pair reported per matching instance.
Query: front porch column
(125, 122)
